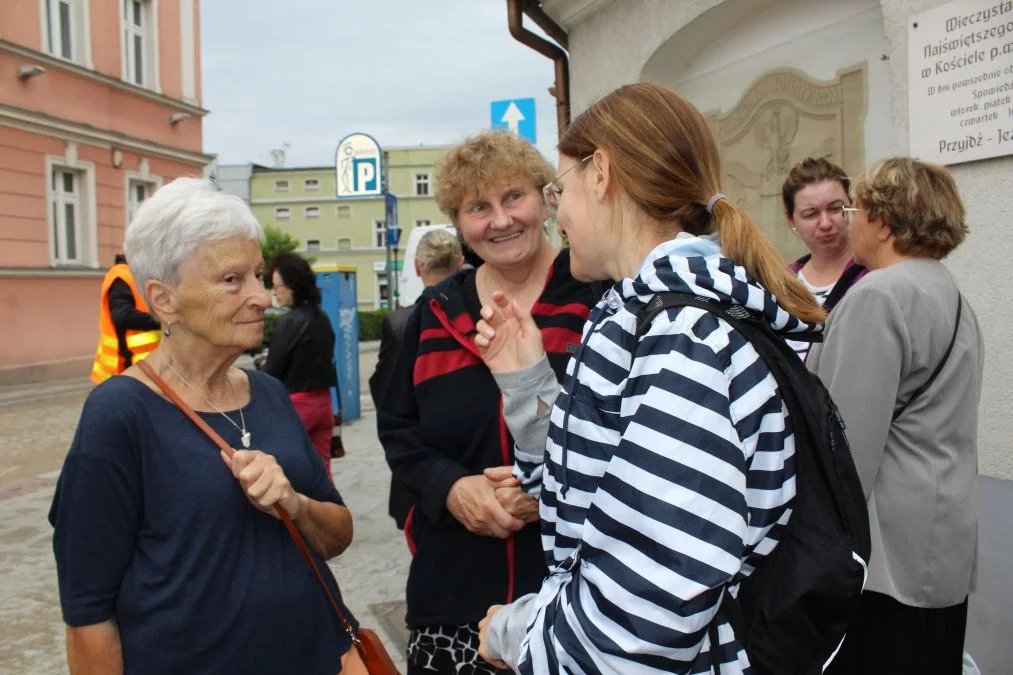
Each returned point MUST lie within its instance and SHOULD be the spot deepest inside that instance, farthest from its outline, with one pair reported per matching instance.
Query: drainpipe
(516, 9)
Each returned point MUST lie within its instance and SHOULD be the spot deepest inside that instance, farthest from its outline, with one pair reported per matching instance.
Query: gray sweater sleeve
(507, 630)
(528, 397)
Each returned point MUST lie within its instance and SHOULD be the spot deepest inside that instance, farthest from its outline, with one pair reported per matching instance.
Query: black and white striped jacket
(666, 477)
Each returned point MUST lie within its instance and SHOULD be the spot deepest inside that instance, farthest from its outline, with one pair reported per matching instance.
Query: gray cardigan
(919, 472)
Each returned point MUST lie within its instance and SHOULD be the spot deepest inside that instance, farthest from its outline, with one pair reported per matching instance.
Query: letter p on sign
(365, 174)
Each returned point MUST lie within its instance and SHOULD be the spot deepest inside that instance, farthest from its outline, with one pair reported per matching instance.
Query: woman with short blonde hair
(440, 418)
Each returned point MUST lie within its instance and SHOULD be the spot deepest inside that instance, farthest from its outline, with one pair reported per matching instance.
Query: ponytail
(744, 243)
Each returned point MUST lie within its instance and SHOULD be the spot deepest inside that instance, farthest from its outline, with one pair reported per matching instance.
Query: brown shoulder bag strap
(282, 513)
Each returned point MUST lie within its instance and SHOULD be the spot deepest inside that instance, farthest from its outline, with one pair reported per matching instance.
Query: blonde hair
(665, 160)
(918, 201)
(438, 250)
(480, 161)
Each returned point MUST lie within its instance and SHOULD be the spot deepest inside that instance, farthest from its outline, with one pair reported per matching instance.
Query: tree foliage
(276, 241)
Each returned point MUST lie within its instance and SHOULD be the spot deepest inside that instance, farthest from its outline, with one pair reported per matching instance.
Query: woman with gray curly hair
(903, 357)
(170, 555)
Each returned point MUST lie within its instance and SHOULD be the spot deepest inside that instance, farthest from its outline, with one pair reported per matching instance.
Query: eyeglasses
(551, 191)
(849, 213)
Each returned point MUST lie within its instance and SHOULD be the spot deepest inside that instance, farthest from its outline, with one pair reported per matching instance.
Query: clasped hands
(492, 504)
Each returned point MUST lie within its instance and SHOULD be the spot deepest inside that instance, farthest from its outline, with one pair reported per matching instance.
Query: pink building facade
(99, 106)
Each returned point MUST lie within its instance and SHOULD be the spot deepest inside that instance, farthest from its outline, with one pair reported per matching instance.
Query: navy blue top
(151, 529)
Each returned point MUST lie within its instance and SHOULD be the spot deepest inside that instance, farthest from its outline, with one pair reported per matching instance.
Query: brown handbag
(366, 642)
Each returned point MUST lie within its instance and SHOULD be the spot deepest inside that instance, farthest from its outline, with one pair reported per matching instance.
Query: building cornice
(568, 13)
(36, 122)
(63, 272)
(282, 201)
(277, 170)
(54, 63)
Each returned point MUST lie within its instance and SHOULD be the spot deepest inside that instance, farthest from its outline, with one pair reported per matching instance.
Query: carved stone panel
(783, 117)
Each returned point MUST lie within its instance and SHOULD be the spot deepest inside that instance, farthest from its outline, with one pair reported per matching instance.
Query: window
(344, 211)
(379, 233)
(282, 213)
(422, 185)
(382, 290)
(311, 184)
(311, 212)
(64, 29)
(137, 192)
(423, 222)
(66, 207)
(281, 186)
(312, 245)
(344, 243)
(139, 46)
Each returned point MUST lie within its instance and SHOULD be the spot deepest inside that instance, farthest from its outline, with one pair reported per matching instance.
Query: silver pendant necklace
(244, 435)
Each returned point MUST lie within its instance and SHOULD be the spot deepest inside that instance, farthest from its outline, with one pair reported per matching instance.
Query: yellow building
(349, 232)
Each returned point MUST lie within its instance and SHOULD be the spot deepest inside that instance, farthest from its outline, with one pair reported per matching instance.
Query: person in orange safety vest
(128, 331)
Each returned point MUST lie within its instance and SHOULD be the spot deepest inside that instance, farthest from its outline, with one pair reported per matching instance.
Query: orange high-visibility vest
(140, 343)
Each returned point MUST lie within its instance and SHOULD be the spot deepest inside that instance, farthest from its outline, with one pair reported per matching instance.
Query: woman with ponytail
(665, 466)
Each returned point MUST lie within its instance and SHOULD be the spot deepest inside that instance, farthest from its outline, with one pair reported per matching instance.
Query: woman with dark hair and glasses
(301, 351)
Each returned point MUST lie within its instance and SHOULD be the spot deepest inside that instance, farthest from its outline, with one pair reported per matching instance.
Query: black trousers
(889, 638)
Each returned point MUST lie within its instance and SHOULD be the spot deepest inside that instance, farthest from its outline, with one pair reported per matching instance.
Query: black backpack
(792, 613)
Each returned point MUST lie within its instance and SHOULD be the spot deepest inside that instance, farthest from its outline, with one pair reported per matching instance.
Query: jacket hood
(695, 265)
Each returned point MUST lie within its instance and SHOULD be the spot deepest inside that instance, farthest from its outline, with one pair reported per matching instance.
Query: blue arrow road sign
(516, 115)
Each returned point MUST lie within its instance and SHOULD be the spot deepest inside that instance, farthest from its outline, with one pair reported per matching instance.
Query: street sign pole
(386, 233)
(393, 237)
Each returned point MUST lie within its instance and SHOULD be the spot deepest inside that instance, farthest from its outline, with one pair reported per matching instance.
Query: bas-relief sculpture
(783, 117)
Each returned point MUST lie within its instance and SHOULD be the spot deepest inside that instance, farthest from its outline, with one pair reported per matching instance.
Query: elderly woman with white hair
(170, 555)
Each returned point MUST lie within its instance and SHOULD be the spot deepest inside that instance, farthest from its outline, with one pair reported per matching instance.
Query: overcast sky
(408, 72)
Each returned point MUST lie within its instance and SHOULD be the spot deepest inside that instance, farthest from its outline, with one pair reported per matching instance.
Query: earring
(166, 329)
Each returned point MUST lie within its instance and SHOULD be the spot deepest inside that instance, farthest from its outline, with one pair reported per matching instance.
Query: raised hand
(507, 337)
(264, 482)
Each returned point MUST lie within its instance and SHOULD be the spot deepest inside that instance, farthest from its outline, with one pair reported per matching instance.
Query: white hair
(179, 218)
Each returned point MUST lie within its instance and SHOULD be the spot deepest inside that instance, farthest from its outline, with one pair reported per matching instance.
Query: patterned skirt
(449, 650)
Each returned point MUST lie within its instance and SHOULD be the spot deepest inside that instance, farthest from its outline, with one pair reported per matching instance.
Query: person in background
(815, 194)
(440, 420)
(301, 350)
(127, 331)
(170, 557)
(437, 257)
(903, 358)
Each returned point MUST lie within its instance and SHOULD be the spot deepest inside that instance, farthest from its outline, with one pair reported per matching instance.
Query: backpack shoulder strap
(939, 368)
(659, 302)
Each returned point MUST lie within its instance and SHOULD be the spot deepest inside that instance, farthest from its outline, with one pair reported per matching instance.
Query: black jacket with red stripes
(441, 420)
